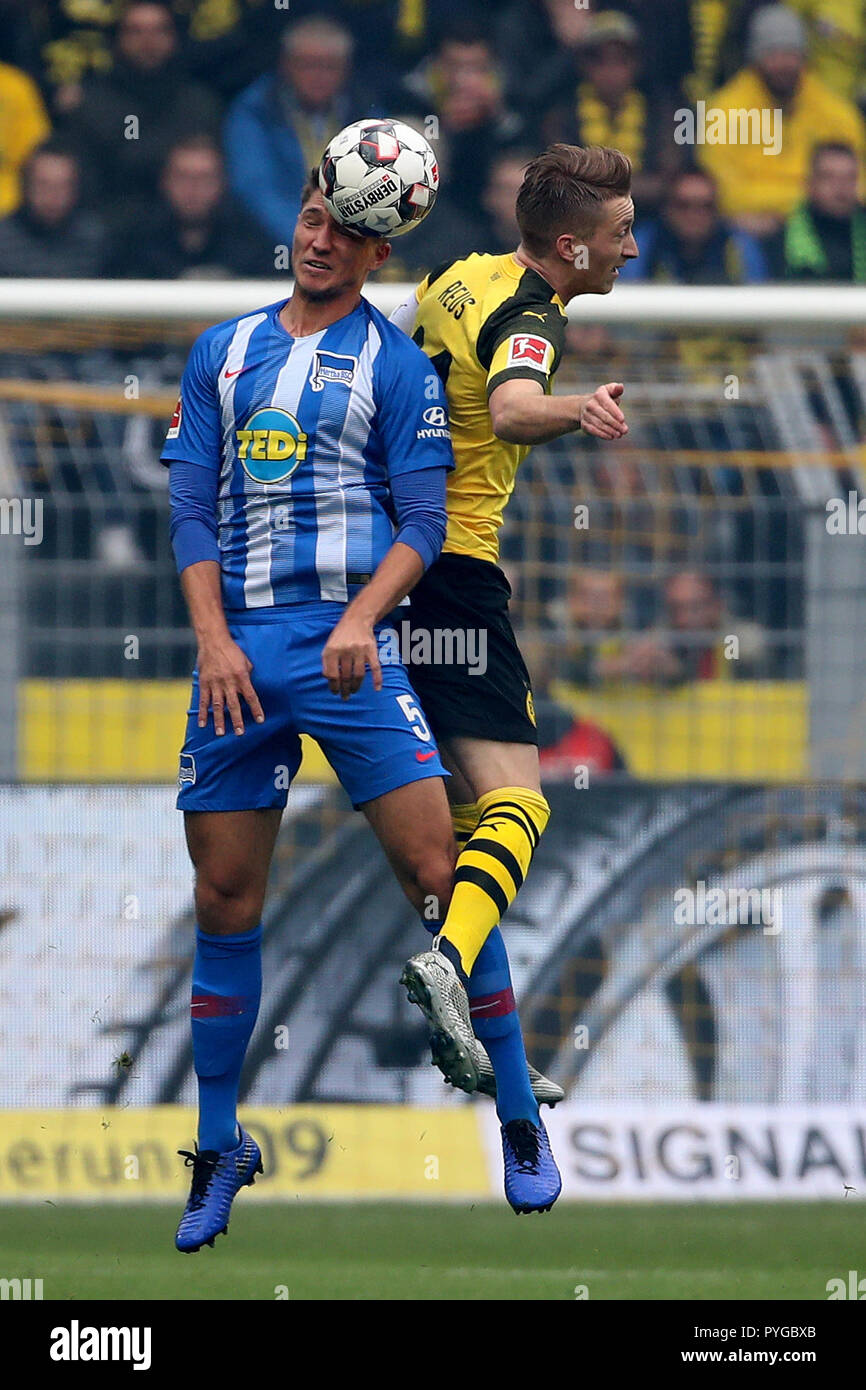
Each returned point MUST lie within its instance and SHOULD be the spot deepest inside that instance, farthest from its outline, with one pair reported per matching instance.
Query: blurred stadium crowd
(144, 139)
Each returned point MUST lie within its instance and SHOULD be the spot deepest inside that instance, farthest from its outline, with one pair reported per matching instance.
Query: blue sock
(226, 990)
(496, 1024)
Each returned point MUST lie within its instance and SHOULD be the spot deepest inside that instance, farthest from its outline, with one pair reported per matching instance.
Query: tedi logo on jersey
(332, 366)
(271, 445)
(437, 420)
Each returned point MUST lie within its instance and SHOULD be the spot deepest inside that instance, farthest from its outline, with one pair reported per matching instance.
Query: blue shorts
(375, 740)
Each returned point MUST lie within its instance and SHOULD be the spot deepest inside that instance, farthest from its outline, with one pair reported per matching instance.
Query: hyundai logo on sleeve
(436, 417)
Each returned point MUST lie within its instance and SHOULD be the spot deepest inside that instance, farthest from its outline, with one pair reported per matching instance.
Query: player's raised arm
(521, 348)
(521, 413)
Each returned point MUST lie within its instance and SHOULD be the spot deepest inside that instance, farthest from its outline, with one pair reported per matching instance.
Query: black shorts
(462, 603)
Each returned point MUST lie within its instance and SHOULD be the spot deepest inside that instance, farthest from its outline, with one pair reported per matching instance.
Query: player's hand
(223, 680)
(349, 650)
(600, 414)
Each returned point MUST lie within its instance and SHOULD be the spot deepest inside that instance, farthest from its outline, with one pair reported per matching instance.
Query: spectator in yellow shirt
(24, 124)
(760, 185)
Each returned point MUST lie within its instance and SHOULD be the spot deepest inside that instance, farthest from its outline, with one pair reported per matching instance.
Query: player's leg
(231, 854)
(413, 825)
(233, 790)
(483, 717)
(494, 861)
(383, 752)
(493, 1010)
(492, 1006)
(498, 774)
(485, 723)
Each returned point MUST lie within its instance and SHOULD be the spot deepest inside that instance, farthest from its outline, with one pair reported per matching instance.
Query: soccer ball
(379, 177)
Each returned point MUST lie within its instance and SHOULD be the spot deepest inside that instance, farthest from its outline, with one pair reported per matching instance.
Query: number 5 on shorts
(414, 717)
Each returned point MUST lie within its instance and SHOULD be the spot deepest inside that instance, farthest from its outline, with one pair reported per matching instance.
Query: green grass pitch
(401, 1251)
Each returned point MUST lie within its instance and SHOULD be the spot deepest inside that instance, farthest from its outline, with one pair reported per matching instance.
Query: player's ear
(571, 248)
(381, 252)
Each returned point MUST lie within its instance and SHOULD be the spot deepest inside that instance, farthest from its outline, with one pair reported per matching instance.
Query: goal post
(213, 300)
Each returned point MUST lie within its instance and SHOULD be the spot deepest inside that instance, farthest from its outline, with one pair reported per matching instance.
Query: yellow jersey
(751, 181)
(484, 320)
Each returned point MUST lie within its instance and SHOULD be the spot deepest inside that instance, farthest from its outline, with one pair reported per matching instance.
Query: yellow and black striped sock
(465, 818)
(491, 865)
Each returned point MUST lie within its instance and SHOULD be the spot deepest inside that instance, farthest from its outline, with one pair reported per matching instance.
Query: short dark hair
(692, 171)
(199, 142)
(54, 146)
(466, 30)
(831, 147)
(564, 190)
(311, 185)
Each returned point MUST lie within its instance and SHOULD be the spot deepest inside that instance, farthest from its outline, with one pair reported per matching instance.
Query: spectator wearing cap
(689, 243)
(277, 128)
(129, 118)
(604, 105)
(193, 230)
(50, 234)
(539, 42)
(23, 125)
(759, 189)
(824, 239)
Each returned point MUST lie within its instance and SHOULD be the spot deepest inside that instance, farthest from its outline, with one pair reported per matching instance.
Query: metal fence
(689, 595)
(688, 602)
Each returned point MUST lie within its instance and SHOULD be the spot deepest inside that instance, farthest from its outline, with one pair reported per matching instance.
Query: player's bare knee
(434, 876)
(226, 905)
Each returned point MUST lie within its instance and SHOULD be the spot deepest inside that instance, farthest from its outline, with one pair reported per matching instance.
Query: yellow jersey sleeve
(525, 343)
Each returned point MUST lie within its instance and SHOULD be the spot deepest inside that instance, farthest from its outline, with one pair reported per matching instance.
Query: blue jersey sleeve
(193, 525)
(419, 501)
(411, 410)
(195, 432)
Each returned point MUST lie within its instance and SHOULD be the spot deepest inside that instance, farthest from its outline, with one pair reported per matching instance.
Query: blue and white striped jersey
(305, 434)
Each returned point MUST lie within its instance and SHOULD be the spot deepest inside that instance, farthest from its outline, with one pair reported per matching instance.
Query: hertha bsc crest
(332, 366)
(186, 770)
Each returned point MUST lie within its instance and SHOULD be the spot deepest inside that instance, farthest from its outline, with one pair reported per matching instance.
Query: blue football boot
(216, 1180)
(532, 1181)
